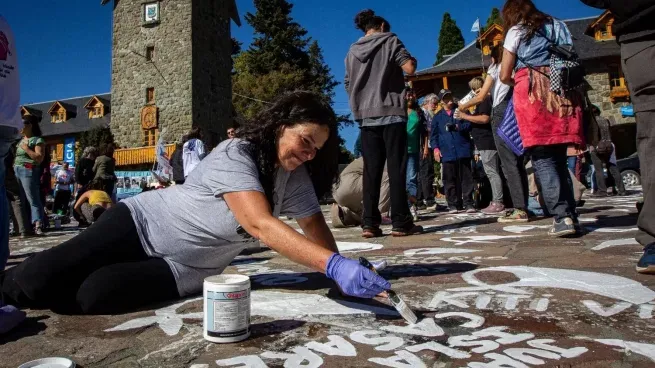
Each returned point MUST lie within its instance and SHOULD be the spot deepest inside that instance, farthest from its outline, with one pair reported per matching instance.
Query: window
(604, 32)
(96, 112)
(150, 95)
(58, 116)
(150, 53)
(150, 137)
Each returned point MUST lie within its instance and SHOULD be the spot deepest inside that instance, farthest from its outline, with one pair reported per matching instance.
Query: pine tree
(94, 137)
(320, 78)
(450, 38)
(494, 18)
(278, 39)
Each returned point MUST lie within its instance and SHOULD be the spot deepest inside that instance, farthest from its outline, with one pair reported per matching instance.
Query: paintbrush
(400, 305)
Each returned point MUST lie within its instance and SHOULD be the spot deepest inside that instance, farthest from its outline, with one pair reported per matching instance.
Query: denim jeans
(7, 135)
(571, 162)
(491, 163)
(29, 180)
(553, 179)
(412, 174)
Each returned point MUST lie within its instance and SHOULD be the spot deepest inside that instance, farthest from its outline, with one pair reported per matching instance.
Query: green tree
(450, 38)
(94, 137)
(494, 18)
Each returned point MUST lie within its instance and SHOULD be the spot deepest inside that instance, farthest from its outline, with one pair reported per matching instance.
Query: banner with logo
(131, 183)
(69, 151)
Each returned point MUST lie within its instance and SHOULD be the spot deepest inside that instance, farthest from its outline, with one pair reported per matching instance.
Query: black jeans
(458, 183)
(103, 270)
(426, 180)
(551, 170)
(512, 165)
(613, 170)
(379, 144)
(637, 58)
(62, 201)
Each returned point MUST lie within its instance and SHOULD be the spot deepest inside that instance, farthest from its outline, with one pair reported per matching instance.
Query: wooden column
(445, 82)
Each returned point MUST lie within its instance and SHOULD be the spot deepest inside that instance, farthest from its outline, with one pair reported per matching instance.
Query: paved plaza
(487, 295)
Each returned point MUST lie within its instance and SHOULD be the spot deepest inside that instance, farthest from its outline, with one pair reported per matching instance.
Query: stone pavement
(487, 295)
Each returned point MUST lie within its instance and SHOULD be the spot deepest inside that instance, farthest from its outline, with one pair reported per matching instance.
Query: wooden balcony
(139, 155)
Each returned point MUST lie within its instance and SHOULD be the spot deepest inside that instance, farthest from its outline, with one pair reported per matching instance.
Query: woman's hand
(437, 155)
(354, 279)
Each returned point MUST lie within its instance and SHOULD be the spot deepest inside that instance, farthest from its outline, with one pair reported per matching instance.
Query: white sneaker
(414, 211)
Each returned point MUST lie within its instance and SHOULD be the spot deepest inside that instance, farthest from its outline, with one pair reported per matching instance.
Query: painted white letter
(336, 346)
(390, 342)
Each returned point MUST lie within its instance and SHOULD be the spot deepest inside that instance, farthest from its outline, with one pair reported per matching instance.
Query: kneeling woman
(160, 245)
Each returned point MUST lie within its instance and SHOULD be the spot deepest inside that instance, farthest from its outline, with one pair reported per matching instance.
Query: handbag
(508, 130)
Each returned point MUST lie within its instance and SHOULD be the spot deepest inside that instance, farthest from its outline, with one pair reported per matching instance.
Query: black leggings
(103, 270)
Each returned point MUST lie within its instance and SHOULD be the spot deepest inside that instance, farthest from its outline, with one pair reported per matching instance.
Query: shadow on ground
(31, 326)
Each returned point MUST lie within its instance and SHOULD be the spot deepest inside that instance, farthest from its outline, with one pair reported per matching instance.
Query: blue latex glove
(355, 279)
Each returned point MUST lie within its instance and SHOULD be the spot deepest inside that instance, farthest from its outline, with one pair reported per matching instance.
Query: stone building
(171, 69)
(598, 52)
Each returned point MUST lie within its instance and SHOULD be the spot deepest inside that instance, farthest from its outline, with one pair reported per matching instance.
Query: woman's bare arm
(486, 87)
(252, 211)
(317, 230)
(506, 67)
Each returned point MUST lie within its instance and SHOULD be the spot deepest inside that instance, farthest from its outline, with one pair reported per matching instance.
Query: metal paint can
(226, 305)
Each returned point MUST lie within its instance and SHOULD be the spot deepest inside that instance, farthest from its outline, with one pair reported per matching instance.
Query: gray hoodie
(374, 77)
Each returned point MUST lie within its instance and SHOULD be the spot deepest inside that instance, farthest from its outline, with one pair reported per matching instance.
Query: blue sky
(64, 47)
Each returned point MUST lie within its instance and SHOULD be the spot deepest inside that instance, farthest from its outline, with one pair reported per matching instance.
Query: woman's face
(299, 143)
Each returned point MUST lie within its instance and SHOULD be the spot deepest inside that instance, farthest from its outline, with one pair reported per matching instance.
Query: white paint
(503, 337)
(345, 247)
(539, 305)
(384, 343)
(293, 305)
(426, 327)
(587, 219)
(611, 286)
(646, 311)
(442, 349)
(26, 250)
(512, 300)
(498, 361)
(449, 229)
(432, 251)
(615, 242)
(446, 298)
(336, 346)
(204, 366)
(524, 355)
(611, 229)
(482, 301)
(647, 350)
(301, 357)
(544, 344)
(246, 361)
(264, 303)
(475, 321)
(396, 361)
(616, 308)
(518, 229)
(461, 240)
(483, 346)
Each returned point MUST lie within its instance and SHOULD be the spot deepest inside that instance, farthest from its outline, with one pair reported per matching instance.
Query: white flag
(476, 26)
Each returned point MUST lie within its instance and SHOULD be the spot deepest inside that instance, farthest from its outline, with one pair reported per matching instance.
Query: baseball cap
(444, 92)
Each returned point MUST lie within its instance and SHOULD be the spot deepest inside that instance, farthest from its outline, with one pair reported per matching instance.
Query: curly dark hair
(524, 11)
(288, 110)
(366, 20)
(34, 122)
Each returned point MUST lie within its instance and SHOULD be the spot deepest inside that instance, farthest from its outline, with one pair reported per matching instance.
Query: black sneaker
(599, 195)
(421, 206)
(409, 230)
(646, 263)
(453, 210)
(562, 228)
(471, 209)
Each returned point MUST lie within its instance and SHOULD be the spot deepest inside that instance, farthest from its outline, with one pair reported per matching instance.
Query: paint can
(226, 301)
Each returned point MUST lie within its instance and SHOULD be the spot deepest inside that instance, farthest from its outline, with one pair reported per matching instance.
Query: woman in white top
(513, 168)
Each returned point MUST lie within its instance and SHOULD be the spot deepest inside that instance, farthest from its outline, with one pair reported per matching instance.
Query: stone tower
(171, 65)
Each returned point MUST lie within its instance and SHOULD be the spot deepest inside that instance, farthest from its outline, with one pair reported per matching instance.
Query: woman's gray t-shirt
(191, 227)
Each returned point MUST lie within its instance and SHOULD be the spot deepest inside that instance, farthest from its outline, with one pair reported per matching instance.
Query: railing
(139, 155)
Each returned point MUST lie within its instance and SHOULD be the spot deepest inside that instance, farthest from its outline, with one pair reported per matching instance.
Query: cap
(444, 92)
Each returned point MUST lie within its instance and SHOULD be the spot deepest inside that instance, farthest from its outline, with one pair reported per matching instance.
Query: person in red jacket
(635, 31)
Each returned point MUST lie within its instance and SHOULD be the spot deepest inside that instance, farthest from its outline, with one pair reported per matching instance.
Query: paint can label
(228, 313)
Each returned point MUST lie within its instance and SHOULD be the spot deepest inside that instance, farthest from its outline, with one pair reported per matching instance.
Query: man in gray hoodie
(376, 87)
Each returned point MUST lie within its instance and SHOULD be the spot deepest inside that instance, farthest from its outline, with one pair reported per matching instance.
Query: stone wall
(212, 66)
(169, 73)
(599, 80)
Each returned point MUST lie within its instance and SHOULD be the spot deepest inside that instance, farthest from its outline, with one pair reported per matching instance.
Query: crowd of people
(279, 163)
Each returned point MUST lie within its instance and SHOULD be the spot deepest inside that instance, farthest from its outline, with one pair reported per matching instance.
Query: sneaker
(10, 317)
(622, 194)
(452, 210)
(494, 208)
(414, 211)
(646, 263)
(580, 203)
(371, 232)
(514, 215)
(599, 194)
(38, 231)
(562, 228)
(410, 230)
(421, 206)
(470, 209)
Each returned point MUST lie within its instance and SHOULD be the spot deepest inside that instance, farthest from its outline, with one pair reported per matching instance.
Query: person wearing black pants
(598, 162)
(376, 92)
(426, 181)
(458, 183)
(73, 277)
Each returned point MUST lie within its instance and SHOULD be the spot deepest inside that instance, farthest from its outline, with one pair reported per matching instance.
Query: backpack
(508, 130)
(566, 72)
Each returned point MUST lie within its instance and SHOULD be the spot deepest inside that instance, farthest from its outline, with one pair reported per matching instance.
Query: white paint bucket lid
(228, 280)
(49, 363)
